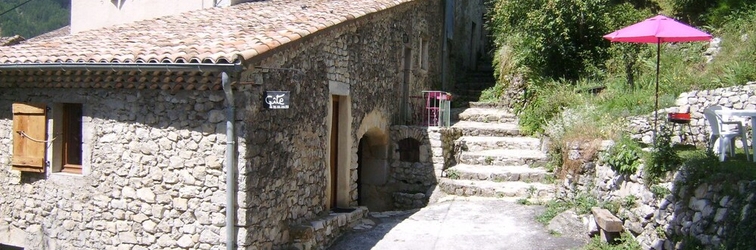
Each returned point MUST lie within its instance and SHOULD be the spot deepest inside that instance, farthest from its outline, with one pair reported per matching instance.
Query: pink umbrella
(658, 29)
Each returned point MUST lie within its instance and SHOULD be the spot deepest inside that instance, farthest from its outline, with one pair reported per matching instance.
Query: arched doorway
(373, 172)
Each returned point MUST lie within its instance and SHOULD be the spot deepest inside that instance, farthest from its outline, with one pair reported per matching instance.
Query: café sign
(277, 99)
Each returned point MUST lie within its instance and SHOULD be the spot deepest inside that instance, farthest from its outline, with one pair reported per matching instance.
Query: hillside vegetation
(33, 18)
(557, 49)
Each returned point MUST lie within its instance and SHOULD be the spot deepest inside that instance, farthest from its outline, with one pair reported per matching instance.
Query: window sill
(67, 179)
(71, 169)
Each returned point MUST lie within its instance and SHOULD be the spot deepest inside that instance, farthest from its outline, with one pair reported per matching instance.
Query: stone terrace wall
(156, 178)
(706, 213)
(737, 97)
(412, 182)
(285, 174)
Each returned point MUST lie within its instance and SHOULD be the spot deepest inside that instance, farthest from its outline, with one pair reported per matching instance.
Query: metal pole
(656, 101)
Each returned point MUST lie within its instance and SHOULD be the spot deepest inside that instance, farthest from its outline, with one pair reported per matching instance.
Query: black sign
(277, 99)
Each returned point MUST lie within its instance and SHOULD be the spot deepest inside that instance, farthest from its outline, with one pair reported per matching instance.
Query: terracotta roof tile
(208, 35)
(55, 33)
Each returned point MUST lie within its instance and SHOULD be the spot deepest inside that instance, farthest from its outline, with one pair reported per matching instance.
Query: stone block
(185, 241)
(606, 220)
(301, 233)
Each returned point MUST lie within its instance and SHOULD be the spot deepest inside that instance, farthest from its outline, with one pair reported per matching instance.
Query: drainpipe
(231, 162)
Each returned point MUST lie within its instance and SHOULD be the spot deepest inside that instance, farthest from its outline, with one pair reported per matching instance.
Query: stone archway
(373, 172)
(372, 188)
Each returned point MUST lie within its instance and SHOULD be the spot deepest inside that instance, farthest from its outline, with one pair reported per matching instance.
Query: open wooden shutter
(29, 136)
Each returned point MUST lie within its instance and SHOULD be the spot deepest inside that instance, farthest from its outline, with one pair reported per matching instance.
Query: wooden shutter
(29, 136)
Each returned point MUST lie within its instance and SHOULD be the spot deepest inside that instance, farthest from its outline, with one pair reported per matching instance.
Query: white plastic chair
(725, 129)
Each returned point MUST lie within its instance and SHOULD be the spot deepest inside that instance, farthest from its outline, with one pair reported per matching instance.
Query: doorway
(473, 46)
(373, 172)
(334, 166)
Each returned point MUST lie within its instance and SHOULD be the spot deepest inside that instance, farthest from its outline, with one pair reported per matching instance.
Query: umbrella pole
(656, 103)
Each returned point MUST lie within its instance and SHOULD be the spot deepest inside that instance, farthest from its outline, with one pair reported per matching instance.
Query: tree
(33, 18)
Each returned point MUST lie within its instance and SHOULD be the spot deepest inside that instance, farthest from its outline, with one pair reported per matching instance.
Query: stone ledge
(321, 232)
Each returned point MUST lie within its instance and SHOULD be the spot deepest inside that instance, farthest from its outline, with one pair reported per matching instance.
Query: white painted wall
(92, 14)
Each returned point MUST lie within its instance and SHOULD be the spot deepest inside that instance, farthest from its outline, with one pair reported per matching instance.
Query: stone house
(160, 133)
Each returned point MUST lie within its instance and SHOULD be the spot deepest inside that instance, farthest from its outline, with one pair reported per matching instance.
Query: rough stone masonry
(153, 158)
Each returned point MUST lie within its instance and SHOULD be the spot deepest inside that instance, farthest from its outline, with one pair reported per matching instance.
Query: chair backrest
(715, 121)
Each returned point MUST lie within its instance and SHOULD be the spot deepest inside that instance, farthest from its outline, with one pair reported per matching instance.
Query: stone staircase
(494, 160)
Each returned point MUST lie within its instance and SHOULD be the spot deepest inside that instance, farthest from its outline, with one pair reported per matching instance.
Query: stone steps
(522, 173)
(478, 143)
(502, 157)
(496, 189)
(487, 115)
(493, 159)
(490, 105)
(470, 128)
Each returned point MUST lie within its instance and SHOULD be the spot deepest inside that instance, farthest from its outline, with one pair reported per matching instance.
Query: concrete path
(458, 223)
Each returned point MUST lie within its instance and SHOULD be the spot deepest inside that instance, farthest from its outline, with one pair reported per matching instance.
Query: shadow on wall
(715, 213)
(398, 176)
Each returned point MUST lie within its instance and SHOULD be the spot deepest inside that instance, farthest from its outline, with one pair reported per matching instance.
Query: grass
(452, 174)
(702, 166)
(582, 203)
(625, 242)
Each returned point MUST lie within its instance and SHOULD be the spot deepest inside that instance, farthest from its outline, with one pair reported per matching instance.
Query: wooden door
(334, 150)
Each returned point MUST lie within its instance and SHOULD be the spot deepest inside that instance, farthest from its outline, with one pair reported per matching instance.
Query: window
(71, 138)
(423, 55)
(31, 137)
(409, 150)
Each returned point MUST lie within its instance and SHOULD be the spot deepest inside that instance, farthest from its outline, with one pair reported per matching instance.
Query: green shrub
(659, 191)
(553, 208)
(553, 38)
(702, 166)
(625, 156)
(625, 242)
(545, 103)
(492, 93)
(663, 158)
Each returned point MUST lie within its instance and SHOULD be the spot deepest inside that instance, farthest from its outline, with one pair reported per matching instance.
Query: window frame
(70, 111)
(48, 127)
(56, 157)
(423, 56)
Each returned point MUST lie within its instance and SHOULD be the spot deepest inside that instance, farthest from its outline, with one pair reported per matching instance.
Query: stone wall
(416, 181)
(674, 213)
(412, 182)
(286, 174)
(470, 44)
(153, 174)
(737, 97)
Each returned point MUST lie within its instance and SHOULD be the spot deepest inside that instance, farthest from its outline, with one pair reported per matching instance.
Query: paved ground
(459, 223)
